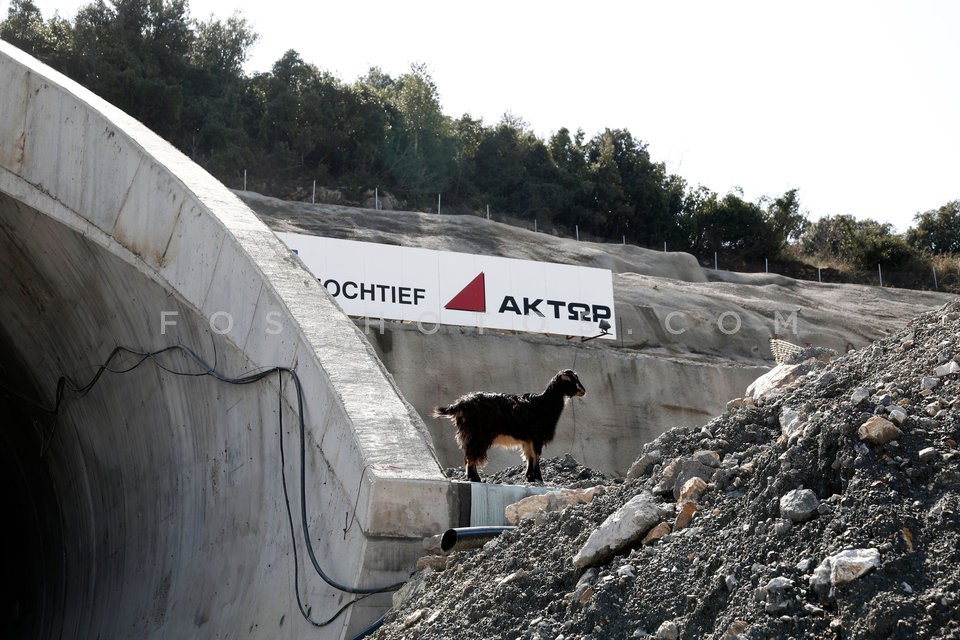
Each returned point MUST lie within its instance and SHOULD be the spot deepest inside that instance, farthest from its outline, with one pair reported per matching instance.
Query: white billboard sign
(443, 287)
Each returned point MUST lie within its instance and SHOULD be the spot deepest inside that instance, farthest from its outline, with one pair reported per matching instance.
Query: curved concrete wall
(155, 509)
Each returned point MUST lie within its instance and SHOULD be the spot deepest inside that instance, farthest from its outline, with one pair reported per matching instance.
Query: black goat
(526, 422)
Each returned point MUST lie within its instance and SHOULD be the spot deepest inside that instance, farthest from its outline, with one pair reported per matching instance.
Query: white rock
(789, 421)
(513, 577)
(667, 631)
(846, 566)
(678, 471)
(778, 584)
(627, 571)
(929, 382)
(860, 394)
(946, 369)
(532, 506)
(623, 527)
(898, 415)
(799, 505)
(850, 564)
(778, 377)
(707, 458)
(731, 581)
(644, 463)
(774, 594)
(820, 580)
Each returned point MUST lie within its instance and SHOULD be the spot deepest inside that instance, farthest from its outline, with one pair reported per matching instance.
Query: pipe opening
(463, 538)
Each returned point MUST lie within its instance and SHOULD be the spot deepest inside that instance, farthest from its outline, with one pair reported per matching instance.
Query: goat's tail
(441, 412)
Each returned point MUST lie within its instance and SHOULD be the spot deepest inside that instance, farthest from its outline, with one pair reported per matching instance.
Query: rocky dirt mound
(564, 471)
(829, 508)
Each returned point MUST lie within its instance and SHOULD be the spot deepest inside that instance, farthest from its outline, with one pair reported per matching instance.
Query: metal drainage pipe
(463, 538)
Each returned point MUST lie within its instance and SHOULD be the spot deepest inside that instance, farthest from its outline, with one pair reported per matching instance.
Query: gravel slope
(749, 565)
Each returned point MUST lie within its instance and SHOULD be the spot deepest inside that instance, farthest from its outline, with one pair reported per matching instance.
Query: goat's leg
(470, 466)
(537, 450)
(531, 453)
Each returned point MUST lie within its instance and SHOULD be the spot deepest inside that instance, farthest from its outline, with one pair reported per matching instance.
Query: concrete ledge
(483, 503)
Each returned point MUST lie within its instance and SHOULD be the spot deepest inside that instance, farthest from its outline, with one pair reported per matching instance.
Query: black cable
(293, 538)
(65, 383)
(363, 634)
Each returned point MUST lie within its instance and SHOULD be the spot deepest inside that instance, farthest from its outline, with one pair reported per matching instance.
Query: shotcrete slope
(753, 562)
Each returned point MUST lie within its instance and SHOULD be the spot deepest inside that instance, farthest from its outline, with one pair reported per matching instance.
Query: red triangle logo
(472, 297)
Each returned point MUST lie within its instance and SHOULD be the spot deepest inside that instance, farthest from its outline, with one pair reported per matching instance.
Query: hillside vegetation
(384, 141)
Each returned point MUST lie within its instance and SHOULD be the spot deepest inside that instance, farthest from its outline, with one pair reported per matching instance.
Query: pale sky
(856, 102)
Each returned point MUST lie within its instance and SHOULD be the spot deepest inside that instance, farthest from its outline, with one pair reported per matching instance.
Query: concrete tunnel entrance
(151, 505)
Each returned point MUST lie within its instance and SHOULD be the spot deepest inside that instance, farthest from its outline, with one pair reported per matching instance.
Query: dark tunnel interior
(32, 588)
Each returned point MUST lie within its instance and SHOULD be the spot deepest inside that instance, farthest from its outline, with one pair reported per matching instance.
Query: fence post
(376, 198)
(577, 228)
(880, 271)
(313, 196)
(488, 212)
(766, 265)
(438, 204)
(935, 285)
(715, 268)
(819, 278)
(534, 225)
(244, 179)
(664, 246)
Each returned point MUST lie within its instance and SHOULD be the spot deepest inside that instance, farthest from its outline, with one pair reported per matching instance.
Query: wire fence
(941, 275)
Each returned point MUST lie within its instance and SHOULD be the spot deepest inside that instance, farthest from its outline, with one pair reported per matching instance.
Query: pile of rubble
(563, 471)
(825, 505)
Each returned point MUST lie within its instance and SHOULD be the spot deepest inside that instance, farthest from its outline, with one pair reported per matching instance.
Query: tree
(728, 225)
(569, 155)
(467, 134)
(25, 28)
(785, 220)
(632, 195)
(938, 230)
(861, 243)
(219, 112)
(420, 146)
(222, 47)
(134, 53)
(610, 170)
(499, 172)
